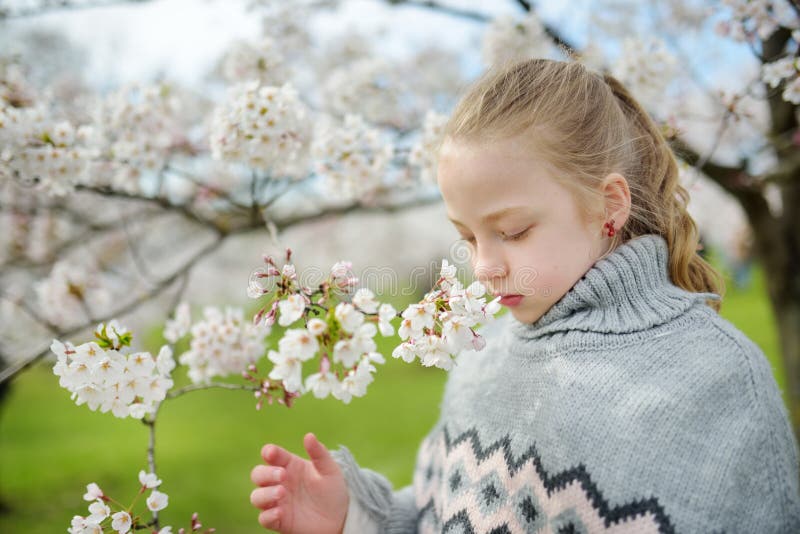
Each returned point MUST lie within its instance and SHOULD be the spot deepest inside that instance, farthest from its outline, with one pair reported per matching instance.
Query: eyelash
(515, 237)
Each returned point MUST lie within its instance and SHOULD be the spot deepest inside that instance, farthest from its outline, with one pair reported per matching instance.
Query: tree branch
(214, 189)
(211, 385)
(12, 370)
(476, 16)
(159, 201)
(735, 180)
(61, 5)
(138, 261)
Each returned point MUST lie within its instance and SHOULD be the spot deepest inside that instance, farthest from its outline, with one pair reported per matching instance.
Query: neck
(627, 291)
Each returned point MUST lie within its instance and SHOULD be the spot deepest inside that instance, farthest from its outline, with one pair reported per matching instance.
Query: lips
(510, 299)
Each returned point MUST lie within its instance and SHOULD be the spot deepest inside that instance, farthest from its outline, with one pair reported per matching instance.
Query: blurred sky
(183, 39)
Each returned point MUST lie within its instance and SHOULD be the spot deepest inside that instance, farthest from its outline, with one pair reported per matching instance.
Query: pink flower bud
(478, 342)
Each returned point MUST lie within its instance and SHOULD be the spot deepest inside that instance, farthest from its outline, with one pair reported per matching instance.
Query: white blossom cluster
(263, 127)
(40, 150)
(757, 19)
(368, 87)
(130, 131)
(223, 343)
(101, 518)
(433, 71)
(424, 153)
(179, 325)
(354, 349)
(108, 379)
(71, 292)
(509, 39)
(352, 157)
(15, 88)
(341, 50)
(645, 67)
(285, 24)
(135, 128)
(440, 326)
(262, 61)
(785, 69)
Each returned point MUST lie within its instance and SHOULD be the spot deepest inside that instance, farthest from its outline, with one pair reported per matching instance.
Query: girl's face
(526, 232)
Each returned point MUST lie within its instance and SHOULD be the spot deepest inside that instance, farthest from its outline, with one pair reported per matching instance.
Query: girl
(613, 397)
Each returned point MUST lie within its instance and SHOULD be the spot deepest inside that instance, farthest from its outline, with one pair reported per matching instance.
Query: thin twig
(138, 261)
(211, 385)
(151, 452)
(31, 312)
(160, 201)
(214, 189)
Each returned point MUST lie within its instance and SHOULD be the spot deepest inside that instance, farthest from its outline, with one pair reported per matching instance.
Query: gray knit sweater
(630, 406)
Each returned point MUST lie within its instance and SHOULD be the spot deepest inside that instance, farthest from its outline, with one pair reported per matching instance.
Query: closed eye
(518, 236)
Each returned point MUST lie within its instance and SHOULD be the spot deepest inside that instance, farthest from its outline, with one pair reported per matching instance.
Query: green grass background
(207, 441)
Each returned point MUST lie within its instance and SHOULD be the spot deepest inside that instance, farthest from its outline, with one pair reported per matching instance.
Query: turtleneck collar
(627, 291)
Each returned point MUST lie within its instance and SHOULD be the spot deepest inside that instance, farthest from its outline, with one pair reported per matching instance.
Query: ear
(617, 198)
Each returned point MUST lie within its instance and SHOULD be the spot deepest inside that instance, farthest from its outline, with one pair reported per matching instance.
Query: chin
(526, 316)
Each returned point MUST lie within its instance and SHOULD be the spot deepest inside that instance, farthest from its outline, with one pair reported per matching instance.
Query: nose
(490, 268)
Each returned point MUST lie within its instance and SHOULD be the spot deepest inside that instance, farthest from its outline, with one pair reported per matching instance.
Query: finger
(274, 455)
(268, 497)
(270, 518)
(319, 455)
(266, 475)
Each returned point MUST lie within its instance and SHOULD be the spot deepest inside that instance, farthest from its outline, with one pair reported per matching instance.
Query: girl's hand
(299, 496)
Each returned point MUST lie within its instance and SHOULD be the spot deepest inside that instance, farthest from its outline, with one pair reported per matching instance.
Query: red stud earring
(610, 226)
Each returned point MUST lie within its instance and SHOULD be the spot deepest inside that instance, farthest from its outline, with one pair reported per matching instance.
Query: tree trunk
(778, 248)
(788, 317)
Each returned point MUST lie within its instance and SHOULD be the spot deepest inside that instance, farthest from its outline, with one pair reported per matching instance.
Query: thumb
(320, 457)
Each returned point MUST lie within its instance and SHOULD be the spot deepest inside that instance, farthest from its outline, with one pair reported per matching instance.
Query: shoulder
(732, 383)
(724, 348)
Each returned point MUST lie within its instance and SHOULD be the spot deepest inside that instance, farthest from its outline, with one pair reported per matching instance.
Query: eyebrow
(496, 215)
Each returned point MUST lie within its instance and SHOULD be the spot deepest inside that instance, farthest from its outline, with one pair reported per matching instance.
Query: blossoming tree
(92, 184)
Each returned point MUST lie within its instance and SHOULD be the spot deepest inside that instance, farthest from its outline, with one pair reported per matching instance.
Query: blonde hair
(586, 125)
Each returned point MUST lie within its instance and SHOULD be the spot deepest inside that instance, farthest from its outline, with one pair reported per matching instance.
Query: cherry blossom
(424, 153)
(104, 376)
(149, 480)
(510, 39)
(262, 61)
(178, 326)
(263, 127)
(222, 344)
(157, 501)
(352, 157)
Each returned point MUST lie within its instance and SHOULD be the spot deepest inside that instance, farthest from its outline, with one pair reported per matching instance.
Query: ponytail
(687, 269)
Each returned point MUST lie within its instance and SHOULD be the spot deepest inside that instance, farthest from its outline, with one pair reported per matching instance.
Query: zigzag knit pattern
(488, 489)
